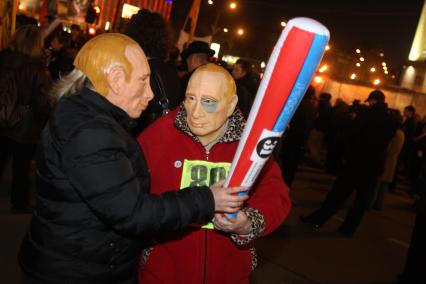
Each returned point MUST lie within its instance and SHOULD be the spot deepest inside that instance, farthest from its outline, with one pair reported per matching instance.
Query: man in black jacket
(368, 138)
(93, 213)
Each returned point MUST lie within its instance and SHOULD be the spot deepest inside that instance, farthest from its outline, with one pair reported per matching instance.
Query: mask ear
(232, 105)
(115, 79)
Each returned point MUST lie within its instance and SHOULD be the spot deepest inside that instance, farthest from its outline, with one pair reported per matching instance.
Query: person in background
(94, 212)
(341, 118)
(77, 38)
(369, 137)
(392, 154)
(421, 123)
(173, 59)
(320, 133)
(409, 128)
(61, 55)
(293, 143)
(413, 272)
(247, 85)
(195, 145)
(25, 82)
(197, 53)
(419, 149)
(23, 20)
(152, 33)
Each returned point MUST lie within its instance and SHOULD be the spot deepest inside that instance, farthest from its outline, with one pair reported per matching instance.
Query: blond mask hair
(230, 83)
(102, 53)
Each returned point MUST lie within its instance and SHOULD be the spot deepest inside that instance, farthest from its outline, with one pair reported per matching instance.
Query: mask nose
(148, 93)
(198, 110)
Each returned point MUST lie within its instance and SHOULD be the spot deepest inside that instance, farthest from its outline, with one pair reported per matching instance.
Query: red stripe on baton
(286, 70)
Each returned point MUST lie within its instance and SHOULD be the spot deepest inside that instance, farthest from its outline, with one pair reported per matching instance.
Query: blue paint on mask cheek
(210, 106)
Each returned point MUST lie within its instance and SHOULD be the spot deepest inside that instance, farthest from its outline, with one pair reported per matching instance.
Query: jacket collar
(235, 126)
(103, 105)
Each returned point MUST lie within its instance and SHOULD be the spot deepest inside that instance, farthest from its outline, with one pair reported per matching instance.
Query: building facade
(413, 73)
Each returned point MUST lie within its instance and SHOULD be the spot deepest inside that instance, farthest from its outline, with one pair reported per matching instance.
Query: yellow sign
(203, 173)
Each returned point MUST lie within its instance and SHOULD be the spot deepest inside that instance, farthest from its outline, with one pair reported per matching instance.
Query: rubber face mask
(207, 105)
(100, 54)
(134, 94)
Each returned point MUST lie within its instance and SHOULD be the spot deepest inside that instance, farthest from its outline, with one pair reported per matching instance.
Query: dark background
(386, 26)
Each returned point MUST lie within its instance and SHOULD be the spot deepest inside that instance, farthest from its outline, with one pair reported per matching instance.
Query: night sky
(379, 24)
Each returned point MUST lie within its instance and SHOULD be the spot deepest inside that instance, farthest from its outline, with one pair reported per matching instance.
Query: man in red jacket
(195, 145)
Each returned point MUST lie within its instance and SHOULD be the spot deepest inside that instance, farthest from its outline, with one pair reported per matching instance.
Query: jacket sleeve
(95, 162)
(270, 197)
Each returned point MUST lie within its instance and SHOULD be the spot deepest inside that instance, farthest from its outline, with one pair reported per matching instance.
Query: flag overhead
(193, 18)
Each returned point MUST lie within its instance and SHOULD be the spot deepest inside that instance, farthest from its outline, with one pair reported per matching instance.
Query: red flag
(43, 13)
(193, 17)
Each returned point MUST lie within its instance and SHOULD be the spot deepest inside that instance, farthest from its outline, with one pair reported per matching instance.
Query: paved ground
(294, 254)
(297, 254)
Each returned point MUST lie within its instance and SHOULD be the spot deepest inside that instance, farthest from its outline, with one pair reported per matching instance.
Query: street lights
(231, 6)
(216, 27)
(234, 36)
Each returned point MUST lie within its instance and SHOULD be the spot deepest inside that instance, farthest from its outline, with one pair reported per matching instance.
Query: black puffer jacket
(93, 212)
(31, 84)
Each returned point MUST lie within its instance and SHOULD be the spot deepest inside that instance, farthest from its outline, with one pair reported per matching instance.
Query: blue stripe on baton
(302, 82)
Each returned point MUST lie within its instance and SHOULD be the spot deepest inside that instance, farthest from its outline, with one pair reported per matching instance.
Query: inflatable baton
(287, 76)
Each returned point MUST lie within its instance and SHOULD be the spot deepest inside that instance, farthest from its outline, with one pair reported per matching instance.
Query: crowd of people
(132, 146)
(370, 148)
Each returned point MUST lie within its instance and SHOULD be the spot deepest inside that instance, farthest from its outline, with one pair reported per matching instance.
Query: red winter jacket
(198, 255)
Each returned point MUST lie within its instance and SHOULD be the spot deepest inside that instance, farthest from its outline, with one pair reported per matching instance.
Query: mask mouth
(196, 124)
